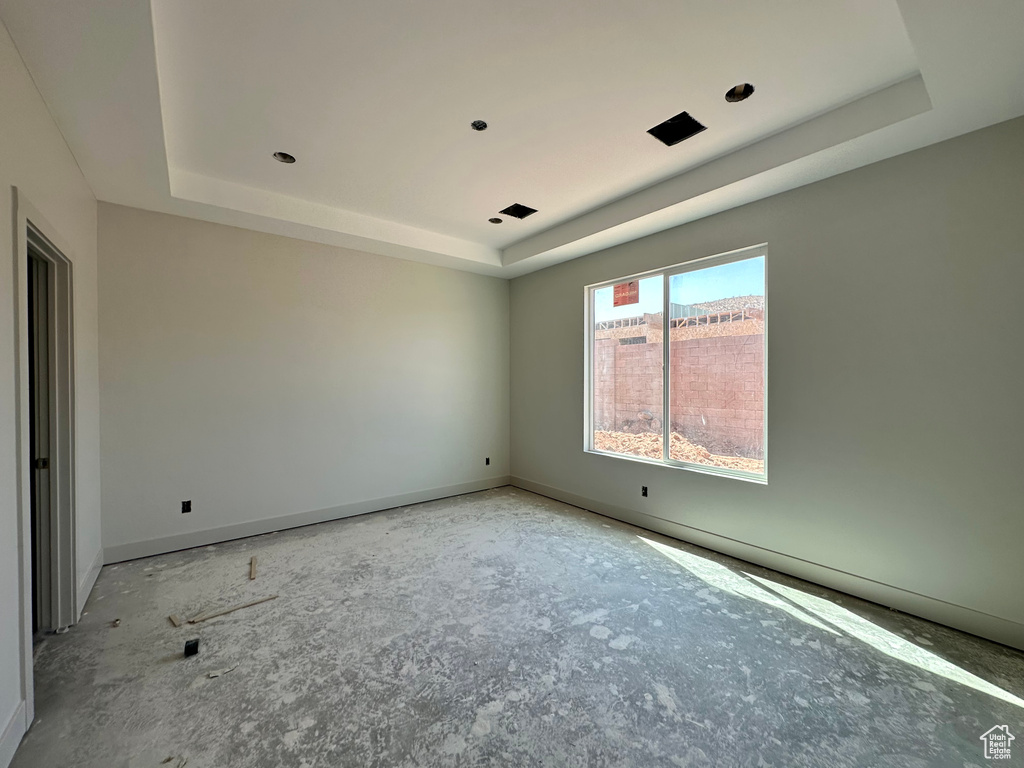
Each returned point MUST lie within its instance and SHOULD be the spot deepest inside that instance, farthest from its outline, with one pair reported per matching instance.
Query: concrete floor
(502, 628)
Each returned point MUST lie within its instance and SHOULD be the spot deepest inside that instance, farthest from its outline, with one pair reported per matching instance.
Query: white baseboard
(121, 552)
(11, 738)
(967, 619)
(88, 582)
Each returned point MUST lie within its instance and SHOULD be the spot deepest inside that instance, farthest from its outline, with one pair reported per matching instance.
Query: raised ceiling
(376, 99)
(178, 106)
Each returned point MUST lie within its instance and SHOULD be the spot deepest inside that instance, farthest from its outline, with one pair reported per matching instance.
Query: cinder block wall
(605, 351)
(638, 387)
(718, 386)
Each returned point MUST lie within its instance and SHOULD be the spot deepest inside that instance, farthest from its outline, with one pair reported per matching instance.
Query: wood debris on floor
(232, 609)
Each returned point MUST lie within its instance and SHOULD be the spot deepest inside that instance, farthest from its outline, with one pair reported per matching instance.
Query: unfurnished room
(571, 384)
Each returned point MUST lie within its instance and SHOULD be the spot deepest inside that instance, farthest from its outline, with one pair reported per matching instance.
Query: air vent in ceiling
(676, 129)
(518, 211)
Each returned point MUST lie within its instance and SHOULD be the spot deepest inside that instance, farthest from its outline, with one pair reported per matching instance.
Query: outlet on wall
(643, 491)
(186, 507)
(487, 461)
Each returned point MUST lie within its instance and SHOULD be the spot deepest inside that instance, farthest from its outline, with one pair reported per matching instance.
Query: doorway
(40, 399)
(47, 437)
(45, 440)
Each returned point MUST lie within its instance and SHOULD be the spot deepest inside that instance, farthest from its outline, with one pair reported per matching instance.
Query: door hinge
(42, 463)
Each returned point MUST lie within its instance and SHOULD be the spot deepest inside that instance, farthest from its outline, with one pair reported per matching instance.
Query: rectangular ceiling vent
(677, 129)
(518, 211)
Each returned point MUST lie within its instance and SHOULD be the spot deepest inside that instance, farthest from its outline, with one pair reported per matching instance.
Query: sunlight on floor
(728, 581)
(887, 642)
(783, 598)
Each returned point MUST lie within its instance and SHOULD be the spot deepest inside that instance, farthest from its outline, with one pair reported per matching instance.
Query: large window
(677, 361)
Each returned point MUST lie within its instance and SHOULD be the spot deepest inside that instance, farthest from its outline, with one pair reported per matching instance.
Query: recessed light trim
(740, 92)
(284, 157)
(495, 220)
(478, 125)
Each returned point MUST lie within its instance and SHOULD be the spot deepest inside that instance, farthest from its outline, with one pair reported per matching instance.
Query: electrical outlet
(186, 507)
(643, 491)
(487, 461)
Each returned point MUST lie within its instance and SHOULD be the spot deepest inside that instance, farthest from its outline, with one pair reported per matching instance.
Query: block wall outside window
(713, 388)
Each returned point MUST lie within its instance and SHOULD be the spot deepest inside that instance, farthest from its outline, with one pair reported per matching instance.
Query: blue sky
(740, 278)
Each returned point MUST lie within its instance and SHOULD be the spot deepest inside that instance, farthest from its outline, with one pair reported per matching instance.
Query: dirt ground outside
(648, 445)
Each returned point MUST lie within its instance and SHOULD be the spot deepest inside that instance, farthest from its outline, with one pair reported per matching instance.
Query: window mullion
(666, 337)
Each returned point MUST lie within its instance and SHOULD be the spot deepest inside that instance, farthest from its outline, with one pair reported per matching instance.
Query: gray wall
(273, 381)
(895, 372)
(35, 159)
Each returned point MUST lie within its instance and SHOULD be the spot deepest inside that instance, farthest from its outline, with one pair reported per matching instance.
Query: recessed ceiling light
(478, 125)
(739, 92)
(284, 157)
(495, 220)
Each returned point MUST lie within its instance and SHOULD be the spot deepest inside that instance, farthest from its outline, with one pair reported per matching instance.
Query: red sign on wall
(626, 293)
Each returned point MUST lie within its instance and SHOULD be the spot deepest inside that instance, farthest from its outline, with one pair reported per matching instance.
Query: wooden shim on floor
(215, 614)
(252, 568)
(175, 620)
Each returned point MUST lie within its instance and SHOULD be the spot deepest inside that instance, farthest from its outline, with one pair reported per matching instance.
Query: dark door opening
(40, 351)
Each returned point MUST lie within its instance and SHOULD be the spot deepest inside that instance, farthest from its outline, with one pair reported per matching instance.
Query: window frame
(667, 273)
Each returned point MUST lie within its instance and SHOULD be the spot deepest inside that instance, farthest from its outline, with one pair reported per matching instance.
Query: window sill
(702, 469)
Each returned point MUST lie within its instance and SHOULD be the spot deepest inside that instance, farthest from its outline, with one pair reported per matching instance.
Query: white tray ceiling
(178, 106)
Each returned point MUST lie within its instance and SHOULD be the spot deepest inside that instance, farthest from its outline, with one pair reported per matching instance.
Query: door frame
(31, 228)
